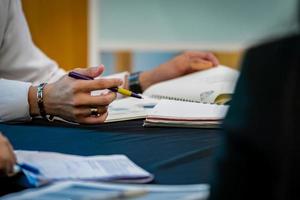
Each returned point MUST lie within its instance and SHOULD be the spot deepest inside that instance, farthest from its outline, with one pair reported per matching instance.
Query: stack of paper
(56, 166)
(101, 191)
(186, 114)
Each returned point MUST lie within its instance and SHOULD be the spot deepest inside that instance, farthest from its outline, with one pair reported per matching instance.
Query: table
(173, 155)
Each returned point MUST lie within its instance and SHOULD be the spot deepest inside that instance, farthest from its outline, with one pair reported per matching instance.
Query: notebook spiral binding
(174, 98)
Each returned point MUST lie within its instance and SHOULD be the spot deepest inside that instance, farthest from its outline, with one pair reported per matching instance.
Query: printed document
(55, 167)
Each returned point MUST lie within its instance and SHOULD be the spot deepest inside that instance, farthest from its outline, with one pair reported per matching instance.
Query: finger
(86, 111)
(126, 82)
(200, 64)
(6, 165)
(99, 84)
(8, 147)
(203, 55)
(12, 154)
(94, 120)
(95, 101)
(91, 71)
(11, 158)
(9, 167)
(199, 54)
(211, 57)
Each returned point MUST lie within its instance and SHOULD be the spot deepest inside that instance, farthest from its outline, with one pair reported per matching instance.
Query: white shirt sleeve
(11, 106)
(22, 62)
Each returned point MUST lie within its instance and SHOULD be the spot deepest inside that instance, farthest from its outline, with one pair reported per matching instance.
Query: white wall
(213, 23)
(174, 25)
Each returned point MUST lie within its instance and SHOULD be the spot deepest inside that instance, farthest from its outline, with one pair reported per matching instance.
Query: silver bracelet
(40, 99)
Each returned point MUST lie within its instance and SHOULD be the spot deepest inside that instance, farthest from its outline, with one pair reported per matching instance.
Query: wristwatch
(134, 82)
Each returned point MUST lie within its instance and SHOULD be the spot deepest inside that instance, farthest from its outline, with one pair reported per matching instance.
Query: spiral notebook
(214, 85)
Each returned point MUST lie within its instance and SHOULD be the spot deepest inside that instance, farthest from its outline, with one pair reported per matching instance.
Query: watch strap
(134, 82)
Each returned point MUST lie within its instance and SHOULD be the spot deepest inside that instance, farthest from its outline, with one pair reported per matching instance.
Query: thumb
(91, 71)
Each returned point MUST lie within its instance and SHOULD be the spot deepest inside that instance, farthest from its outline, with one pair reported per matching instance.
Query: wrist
(146, 79)
(32, 100)
(46, 100)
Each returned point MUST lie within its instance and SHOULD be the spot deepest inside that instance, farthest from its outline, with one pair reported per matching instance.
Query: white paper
(169, 109)
(130, 108)
(55, 166)
(170, 113)
(88, 191)
(203, 86)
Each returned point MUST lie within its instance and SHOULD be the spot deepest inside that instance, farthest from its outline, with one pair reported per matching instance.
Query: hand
(71, 98)
(182, 64)
(7, 156)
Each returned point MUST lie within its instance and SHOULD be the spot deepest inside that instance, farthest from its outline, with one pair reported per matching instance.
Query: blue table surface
(173, 155)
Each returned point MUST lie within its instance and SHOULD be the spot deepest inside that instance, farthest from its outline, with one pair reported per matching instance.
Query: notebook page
(203, 86)
(129, 108)
(179, 110)
(97, 167)
(91, 190)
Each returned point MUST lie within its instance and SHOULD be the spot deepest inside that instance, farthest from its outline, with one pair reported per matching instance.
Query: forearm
(140, 82)
(150, 77)
(180, 65)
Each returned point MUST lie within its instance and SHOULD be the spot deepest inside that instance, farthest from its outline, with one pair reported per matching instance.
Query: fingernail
(93, 68)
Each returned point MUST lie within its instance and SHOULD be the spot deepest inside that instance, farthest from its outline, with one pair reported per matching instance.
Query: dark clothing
(260, 155)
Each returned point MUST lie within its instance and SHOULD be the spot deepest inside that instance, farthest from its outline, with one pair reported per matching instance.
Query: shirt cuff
(14, 104)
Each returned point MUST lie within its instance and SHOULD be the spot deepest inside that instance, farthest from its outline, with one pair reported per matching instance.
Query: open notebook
(212, 86)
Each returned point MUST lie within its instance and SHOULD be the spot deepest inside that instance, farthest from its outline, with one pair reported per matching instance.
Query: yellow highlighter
(126, 92)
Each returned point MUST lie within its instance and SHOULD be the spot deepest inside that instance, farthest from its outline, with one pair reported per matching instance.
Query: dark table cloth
(173, 155)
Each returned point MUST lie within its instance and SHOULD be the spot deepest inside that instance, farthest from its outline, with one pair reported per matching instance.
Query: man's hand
(182, 64)
(7, 156)
(71, 98)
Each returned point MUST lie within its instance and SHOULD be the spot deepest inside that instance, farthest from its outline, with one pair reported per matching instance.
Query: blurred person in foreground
(260, 155)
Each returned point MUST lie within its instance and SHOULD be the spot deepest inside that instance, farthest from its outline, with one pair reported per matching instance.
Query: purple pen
(119, 90)
(79, 76)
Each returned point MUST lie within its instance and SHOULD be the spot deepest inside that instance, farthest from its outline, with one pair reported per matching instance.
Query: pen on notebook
(116, 89)
(27, 167)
